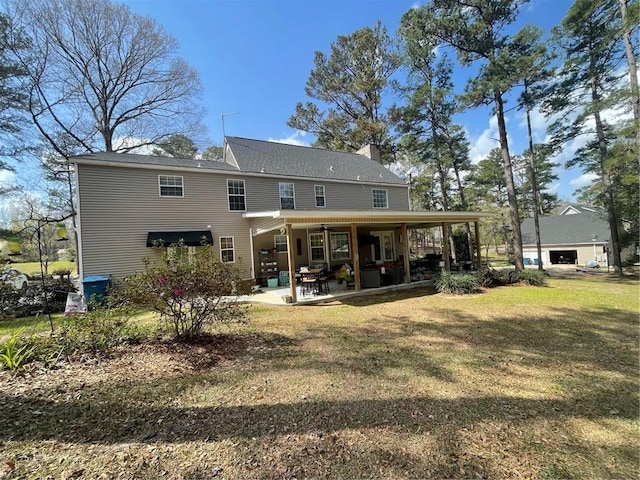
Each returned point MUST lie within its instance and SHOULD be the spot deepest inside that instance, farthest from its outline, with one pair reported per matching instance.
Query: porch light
(13, 244)
(61, 232)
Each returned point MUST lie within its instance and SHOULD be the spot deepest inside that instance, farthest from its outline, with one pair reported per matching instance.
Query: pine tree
(589, 38)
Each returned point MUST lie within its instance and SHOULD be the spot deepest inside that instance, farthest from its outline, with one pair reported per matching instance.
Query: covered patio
(370, 239)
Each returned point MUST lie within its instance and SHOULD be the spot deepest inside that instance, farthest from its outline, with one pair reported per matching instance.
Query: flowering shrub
(190, 291)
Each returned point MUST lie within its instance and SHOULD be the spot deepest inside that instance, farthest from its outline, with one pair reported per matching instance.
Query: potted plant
(345, 273)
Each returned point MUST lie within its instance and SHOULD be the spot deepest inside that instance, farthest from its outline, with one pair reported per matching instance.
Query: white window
(236, 192)
(287, 196)
(320, 198)
(181, 254)
(227, 251)
(340, 246)
(380, 198)
(316, 245)
(280, 243)
(170, 186)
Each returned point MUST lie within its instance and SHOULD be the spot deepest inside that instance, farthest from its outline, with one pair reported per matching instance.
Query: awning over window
(191, 238)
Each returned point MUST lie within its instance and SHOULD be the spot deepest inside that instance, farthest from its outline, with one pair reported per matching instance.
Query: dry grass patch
(516, 382)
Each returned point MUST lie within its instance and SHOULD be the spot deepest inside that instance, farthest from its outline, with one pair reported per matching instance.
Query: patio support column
(356, 256)
(445, 247)
(405, 252)
(292, 265)
(476, 226)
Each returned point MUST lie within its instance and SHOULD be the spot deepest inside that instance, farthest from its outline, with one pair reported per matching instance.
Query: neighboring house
(579, 235)
(299, 205)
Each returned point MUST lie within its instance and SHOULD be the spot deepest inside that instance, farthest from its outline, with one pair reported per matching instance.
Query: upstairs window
(287, 196)
(170, 186)
(235, 190)
(320, 198)
(380, 198)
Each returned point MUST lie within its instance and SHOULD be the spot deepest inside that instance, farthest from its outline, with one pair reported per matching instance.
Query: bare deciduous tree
(103, 77)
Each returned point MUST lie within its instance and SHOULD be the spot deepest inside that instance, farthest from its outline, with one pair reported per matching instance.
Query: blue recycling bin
(95, 288)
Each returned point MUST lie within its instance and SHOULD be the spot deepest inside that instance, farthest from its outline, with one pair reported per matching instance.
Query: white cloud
(583, 180)
(539, 124)
(127, 142)
(486, 141)
(7, 179)
(552, 188)
(295, 138)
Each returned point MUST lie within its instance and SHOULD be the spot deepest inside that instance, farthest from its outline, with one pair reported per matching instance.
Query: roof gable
(574, 208)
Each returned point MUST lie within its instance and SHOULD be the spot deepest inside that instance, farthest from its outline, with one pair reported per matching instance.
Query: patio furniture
(310, 280)
(369, 278)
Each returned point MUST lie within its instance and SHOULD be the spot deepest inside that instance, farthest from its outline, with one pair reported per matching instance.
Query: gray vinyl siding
(263, 195)
(119, 206)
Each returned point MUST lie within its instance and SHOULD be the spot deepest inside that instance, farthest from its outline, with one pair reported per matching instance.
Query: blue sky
(254, 58)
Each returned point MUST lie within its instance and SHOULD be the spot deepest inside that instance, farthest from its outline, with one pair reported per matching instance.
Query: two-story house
(301, 205)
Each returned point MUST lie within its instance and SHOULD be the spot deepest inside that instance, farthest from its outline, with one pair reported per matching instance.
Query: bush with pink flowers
(191, 290)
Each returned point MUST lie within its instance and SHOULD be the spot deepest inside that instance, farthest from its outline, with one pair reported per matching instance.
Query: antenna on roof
(222, 119)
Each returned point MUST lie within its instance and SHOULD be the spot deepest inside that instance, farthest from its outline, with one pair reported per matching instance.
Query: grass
(33, 268)
(514, 382)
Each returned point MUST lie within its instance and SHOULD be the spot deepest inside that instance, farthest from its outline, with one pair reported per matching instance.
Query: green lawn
(33, 268)
(515, 382)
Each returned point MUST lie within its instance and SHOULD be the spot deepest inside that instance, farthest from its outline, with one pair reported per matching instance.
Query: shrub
(535, 278)
(488, 277)
(100, 329)
(485, 277)
(504, 277)
(189, 290)
(457, 284)
(9, 298)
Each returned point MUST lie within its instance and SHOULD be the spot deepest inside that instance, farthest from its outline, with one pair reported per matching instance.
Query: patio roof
(307, 218)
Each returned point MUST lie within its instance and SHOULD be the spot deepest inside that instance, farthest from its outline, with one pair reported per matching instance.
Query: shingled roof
(566, 229)
(266, 158)
(132, 159)
(281, 159)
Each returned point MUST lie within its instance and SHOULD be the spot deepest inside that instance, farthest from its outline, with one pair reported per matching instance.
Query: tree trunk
(606, 181)
(633, 70)
(534, 183)
(445, 199)
(508, 177)
(463, 204)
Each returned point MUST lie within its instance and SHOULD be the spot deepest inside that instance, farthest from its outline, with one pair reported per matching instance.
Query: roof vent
(199, 165)
(262, 170)
(358, 177)
(332, 169)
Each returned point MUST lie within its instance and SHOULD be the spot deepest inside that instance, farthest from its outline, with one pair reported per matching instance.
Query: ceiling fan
(324, 228)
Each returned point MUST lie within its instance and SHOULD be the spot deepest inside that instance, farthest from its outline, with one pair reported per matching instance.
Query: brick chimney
(371, 151)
